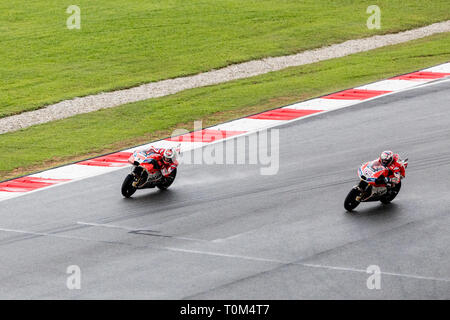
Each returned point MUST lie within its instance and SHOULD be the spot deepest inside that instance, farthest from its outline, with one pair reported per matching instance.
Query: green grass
(73, 138)
(125, 43)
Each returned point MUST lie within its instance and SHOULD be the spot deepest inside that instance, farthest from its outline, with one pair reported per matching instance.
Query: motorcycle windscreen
(371, 171)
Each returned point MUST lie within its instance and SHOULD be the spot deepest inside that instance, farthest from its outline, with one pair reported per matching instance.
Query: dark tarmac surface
(228, 232)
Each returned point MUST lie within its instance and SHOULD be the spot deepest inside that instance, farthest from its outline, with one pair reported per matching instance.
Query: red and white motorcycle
(146, 173)
(373, 185)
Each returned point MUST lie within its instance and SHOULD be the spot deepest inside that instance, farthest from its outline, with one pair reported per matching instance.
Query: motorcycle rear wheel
(350, 202)
(391, 196)
(127, 186)
(167, 181)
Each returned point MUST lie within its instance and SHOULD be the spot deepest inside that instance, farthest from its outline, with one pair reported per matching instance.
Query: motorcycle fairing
(374, 193)
(370, 172)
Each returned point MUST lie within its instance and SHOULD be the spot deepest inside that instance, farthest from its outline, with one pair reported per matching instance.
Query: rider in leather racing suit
(166, 159)
(390, 161)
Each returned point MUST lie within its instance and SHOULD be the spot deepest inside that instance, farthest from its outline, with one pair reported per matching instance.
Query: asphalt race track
(227, 232)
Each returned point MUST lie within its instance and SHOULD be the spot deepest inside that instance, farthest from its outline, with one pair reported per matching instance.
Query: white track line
(411, 276)
(45, 234)
(403, 275)
(226, 255)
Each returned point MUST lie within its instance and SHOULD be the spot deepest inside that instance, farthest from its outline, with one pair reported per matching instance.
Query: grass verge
(126, 43)
(86, 135)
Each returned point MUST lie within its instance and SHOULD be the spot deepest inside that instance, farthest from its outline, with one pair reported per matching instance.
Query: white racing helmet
(386, 158)
(169, 155)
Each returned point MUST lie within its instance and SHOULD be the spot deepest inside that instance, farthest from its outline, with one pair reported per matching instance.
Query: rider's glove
(395, 180)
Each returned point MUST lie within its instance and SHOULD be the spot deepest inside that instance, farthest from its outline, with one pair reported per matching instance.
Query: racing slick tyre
(350, 202)
(167, 181)
(127, 186)
(392, 194)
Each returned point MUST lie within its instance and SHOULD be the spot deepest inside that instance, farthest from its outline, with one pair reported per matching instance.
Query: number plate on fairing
(367, 172)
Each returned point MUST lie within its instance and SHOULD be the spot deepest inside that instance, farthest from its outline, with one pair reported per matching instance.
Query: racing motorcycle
(146, 173)
(373, 186)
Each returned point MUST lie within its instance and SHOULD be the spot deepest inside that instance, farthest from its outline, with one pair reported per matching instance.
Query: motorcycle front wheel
(350, 202)
(127, 186)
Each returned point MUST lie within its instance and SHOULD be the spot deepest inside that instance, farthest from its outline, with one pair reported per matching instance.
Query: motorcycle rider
(166, 159)
(390, 161)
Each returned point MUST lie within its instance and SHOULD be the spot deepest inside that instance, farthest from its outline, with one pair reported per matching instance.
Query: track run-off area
(228, 232)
